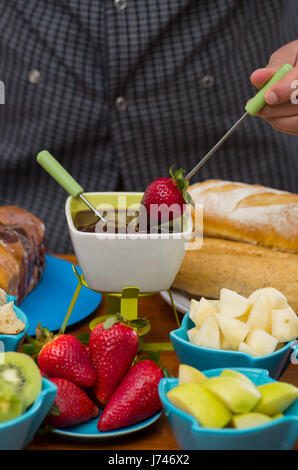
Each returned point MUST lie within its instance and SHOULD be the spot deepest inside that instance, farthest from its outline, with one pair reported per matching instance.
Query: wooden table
(158, 436)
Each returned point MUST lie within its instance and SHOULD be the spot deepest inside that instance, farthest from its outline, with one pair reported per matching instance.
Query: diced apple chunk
(274, 297)
(276, 397)
(259, 316)
(249, 420)
(192, 333)
(233, 330)
(261, 341)
(188, 374)
(200, 310)
(284, 325)
(232, 304)
(243, 347)
(225, 344)
(208, 336)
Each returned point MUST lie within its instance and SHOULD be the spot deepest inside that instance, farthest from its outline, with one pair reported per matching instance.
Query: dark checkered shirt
(120, 90)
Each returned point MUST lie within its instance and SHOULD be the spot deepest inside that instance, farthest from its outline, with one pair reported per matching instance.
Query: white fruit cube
(259, 316)
(208, 335)
(225, 344)
(233, 330)
(192, 333)
(274, 297)
(261, 341)
(243, 347)
(200, 310)
(232, 304)
(284, 325)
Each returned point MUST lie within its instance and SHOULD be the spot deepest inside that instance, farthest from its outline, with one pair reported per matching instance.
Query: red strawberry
(66, 357)
(113, 348)
(168, 192)
(72, 403)
(135, 399)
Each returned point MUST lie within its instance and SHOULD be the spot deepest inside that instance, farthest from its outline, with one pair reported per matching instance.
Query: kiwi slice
(23, 373)
(11, 403)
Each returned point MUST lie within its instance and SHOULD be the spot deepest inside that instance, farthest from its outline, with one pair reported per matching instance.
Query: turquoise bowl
(279, 434)
(12, 342)
(205, 358)
(16, 433)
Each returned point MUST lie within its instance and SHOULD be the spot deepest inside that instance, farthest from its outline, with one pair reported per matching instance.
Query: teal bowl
(12, 342)
(205, 358)
(16, 433)
(279, 434)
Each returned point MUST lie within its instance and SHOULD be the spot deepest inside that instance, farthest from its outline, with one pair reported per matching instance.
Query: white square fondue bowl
(111, 262)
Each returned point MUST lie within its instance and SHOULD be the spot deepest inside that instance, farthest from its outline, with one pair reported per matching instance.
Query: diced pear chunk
(200, 310)
(237, 394)
(249, 420)
(284, 325)
(232, 304)
(200, 403)
(192, 334)
(259, 316)
(274, 297)
(232, 329)
(276, 397)
(236, 375)
(188, 374)
(243, 347)
(261, 342)
(208, 336)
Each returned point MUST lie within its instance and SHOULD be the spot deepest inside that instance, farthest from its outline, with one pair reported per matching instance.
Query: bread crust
(238, 266)
(248, 213)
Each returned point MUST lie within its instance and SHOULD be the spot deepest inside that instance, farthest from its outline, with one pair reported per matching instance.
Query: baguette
(250, 241)
(241, 267)
(248, 213)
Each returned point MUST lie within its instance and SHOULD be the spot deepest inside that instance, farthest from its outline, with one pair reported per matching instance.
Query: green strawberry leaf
(153, 356)
(109, 322)
(84, 338)
(140, 345)
(45, 429)
(188, 199)
(166, 372)
(54, 411)
(30, 349)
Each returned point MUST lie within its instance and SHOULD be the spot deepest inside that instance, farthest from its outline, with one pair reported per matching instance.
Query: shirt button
(207, 81)
(120, 4)
(34, 76)
(121, 103)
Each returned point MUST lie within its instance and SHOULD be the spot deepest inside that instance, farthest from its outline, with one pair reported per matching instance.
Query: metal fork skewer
(216, 147)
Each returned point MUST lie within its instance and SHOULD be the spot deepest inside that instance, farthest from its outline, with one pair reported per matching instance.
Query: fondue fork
(252, 108)
(56, 170)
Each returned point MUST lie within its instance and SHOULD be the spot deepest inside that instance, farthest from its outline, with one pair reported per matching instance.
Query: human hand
(281, 110)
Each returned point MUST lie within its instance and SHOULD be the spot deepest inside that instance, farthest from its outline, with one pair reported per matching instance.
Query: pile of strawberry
(98, 375)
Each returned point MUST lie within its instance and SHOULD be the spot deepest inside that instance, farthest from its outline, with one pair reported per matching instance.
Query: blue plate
(50, 299)
(89, 431)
